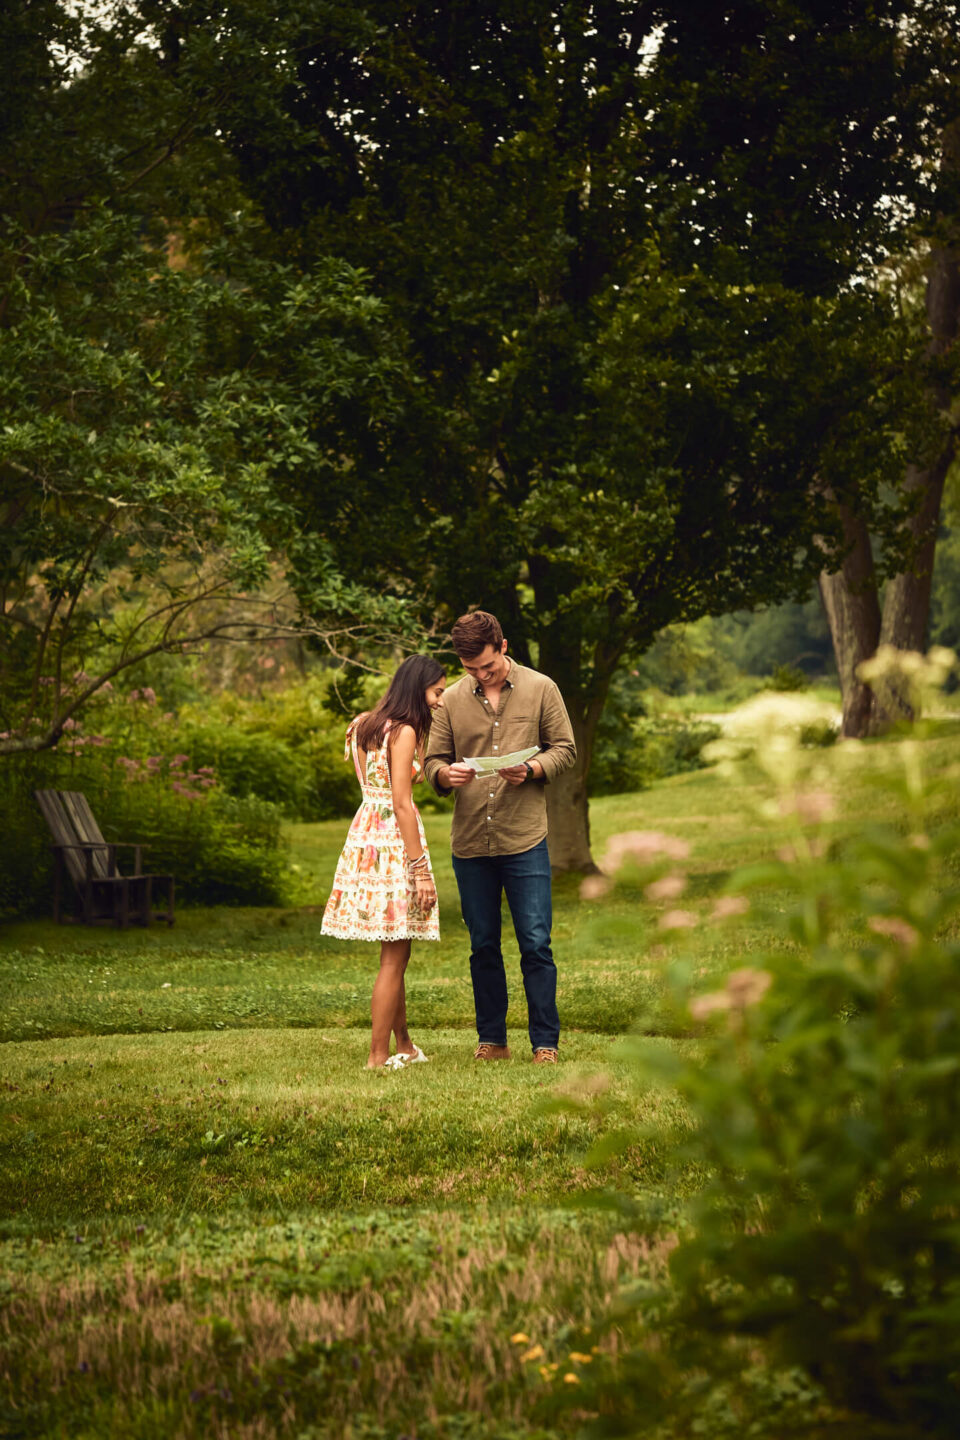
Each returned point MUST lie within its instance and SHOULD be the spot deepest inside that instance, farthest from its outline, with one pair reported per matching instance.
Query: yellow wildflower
(534, 1353)
(519, 1338)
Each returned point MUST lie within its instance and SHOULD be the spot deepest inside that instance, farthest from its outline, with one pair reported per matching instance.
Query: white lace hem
(353, 932)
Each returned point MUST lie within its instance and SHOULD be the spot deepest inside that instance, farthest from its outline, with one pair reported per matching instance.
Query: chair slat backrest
(88, 831)
(62, 829)
(83, 817)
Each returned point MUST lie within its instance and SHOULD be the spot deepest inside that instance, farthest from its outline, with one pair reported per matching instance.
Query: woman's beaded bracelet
(421, 863)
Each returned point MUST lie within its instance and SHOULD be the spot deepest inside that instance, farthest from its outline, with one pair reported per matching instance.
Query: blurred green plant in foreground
(814, 1286)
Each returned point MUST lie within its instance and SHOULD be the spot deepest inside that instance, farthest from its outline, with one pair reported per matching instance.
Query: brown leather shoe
(545, 1055)
(486, 1051)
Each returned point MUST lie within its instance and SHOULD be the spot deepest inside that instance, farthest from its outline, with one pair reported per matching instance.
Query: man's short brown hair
(474, 632)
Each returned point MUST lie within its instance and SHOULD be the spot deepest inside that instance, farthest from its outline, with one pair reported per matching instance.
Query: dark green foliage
(621, 271)
(634, 756)
(252, 764)
(795, 634)
(787, 678)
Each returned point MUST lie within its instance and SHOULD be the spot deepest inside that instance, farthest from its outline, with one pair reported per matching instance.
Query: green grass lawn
(214, 1221)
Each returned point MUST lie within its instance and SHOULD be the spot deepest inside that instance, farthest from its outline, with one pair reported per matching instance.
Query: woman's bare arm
(401, 755)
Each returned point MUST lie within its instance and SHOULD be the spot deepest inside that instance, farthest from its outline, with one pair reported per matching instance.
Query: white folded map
(490, 764)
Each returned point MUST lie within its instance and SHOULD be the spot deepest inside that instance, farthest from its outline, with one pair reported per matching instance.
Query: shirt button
(489, 817)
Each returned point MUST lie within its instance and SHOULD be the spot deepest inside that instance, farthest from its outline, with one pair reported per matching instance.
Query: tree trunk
(853, 613)
(850, 596)
(561, 656)
(906, 606)
(568, 814)
(906, 603)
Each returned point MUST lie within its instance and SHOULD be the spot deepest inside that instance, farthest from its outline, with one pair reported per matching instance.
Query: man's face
(490, 666)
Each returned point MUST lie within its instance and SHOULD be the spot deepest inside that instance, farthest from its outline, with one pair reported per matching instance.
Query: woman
(383, 888)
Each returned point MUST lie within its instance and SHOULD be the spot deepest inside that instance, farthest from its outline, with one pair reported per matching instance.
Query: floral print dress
(373, 897)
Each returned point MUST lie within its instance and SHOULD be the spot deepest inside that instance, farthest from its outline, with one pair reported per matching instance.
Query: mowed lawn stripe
(275, 1121)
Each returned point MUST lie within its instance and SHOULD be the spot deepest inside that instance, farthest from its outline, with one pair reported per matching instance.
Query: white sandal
(417, 1058)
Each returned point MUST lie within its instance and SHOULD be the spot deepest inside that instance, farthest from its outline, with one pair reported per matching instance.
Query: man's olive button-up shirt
(490, 816)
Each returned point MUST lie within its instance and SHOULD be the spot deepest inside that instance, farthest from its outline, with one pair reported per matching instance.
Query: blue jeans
(526, 880)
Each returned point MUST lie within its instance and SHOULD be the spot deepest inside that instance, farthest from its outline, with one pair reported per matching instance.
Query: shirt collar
(507, 683)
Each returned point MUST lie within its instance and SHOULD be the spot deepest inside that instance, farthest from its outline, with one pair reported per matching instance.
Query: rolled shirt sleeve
(440, 749)
(558, 750)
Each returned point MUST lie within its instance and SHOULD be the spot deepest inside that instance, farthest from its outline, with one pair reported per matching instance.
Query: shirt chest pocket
(520, 730)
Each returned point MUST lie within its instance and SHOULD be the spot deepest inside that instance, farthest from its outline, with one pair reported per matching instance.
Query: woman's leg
(388, 1006)
(405, 1045)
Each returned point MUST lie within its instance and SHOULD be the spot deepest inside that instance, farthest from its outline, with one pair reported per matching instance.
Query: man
(500, 824)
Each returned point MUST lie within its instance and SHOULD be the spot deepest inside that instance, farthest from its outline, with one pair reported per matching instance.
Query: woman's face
(434, 693)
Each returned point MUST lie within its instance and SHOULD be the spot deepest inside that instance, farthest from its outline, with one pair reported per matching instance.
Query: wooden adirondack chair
(103, 893)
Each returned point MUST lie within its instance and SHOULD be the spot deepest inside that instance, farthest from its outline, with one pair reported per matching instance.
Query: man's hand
(451, 777)
(516, 774)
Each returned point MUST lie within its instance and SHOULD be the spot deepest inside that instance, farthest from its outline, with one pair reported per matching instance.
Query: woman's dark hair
(405, 702)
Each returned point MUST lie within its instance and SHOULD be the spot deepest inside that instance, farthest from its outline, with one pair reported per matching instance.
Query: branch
(271, 629)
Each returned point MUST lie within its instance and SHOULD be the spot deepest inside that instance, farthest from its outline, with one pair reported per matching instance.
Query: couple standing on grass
(384, 888)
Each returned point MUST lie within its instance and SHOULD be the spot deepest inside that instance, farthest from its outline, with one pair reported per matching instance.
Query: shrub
(645, 750)
(220, 850)
(251, 763)
(788, 677)
(817, 1275)
(287, 748)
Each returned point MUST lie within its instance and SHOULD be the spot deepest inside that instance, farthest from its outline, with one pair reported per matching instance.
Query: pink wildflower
(747, 986)
(728, 906)
(134, 695)
(668, 887)
(149, 695)
(811, 807)
(702, 1006)
(744, 987)
(594, 887)
(893, 928)
(644, 846)
(678, 920)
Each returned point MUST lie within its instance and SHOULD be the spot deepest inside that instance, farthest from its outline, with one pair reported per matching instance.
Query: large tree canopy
(621, 241)
(566, 310)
